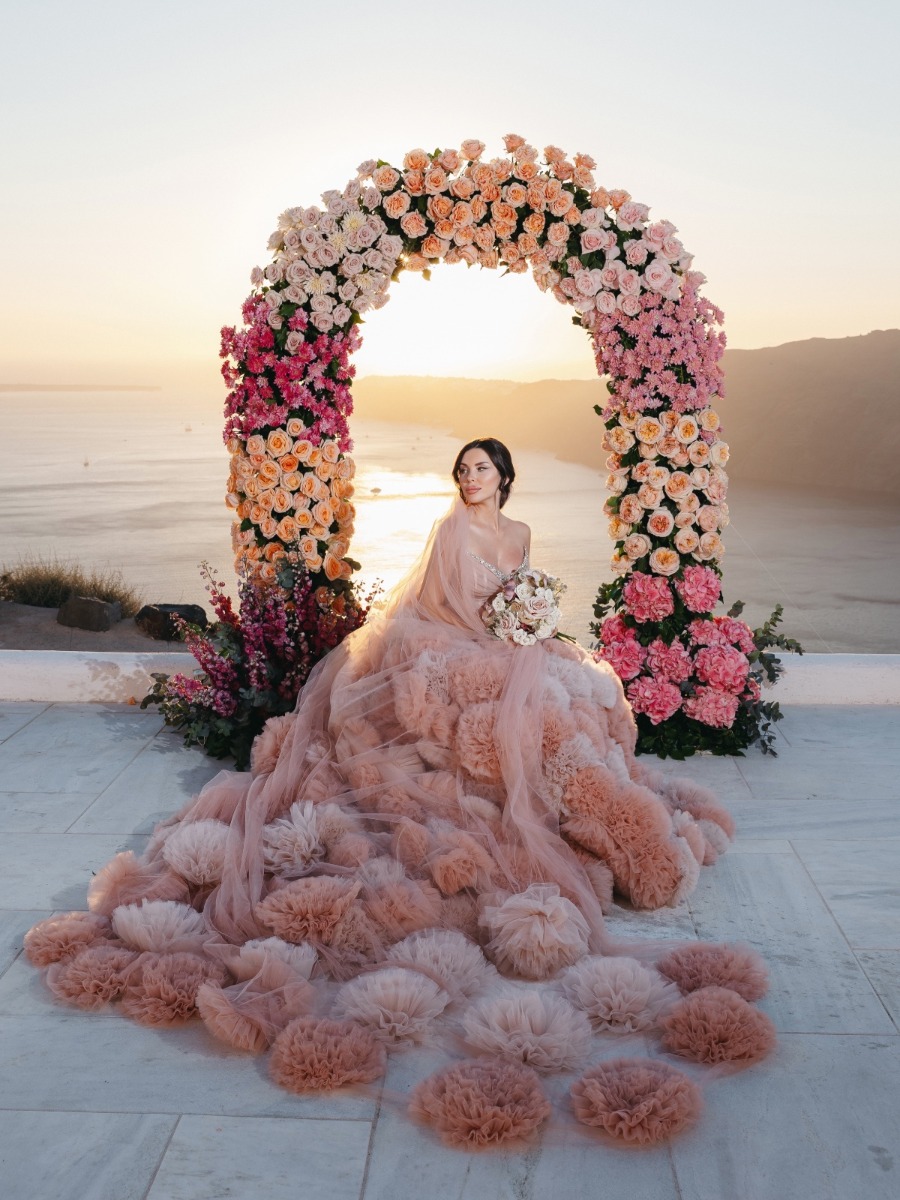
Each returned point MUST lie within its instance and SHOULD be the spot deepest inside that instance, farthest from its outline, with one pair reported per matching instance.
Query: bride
(437, 793)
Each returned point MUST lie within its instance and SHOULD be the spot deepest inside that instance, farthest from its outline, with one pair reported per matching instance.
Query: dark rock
(87, 612)
(158, 620)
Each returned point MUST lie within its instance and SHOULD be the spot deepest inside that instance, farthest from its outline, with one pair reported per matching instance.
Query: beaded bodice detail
(503, 576)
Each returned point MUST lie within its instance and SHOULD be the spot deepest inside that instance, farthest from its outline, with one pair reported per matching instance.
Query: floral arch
(630, 285)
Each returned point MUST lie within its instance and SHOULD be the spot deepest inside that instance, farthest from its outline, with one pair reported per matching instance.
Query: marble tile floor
(96, 1108)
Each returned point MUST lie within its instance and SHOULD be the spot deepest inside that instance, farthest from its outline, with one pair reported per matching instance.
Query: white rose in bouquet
(525, 610)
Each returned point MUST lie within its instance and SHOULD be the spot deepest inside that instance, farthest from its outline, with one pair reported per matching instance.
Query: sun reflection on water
(394, 513)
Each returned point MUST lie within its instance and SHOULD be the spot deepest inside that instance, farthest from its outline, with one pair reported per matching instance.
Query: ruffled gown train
(441, 812)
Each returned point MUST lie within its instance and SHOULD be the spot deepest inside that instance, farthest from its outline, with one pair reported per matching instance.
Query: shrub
(48, 582)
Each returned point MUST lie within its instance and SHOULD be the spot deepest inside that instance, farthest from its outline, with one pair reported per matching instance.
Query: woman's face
(479, 479)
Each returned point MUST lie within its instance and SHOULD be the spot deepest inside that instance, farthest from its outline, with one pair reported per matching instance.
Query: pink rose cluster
(267, 386)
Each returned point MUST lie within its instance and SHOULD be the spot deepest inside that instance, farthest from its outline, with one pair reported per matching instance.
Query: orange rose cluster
(290, 495)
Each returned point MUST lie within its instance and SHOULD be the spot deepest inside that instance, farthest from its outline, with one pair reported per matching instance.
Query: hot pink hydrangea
(722, 631)
(738, 633)
(626, 657)
(648, 597)
(706, 633)
(656, 698)
(712, 707)
(669, 662)
(699, 588)
(613, 629)
(723, 667)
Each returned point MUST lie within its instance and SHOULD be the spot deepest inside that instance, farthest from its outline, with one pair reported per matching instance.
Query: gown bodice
(489, 576)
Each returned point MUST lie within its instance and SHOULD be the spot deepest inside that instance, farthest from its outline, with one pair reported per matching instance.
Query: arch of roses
(630, 285)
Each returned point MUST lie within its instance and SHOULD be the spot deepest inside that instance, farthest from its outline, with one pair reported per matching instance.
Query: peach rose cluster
(290, 494)
(668, 483)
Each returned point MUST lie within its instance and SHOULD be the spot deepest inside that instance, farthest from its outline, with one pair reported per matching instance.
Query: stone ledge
(83, 677)
(78, 676)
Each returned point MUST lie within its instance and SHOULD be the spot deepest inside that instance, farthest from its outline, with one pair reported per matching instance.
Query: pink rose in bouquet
(526, 609)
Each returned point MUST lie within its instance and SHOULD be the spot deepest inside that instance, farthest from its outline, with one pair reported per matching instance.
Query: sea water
(135, 481)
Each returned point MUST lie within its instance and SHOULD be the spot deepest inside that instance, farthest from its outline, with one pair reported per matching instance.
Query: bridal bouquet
(526, 609)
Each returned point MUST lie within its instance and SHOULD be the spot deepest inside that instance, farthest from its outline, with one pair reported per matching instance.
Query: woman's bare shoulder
(521, 530)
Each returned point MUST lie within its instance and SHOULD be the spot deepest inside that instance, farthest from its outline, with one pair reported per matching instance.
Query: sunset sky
(147, 150)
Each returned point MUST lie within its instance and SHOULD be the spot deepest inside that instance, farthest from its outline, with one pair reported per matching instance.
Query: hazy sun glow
(474, 323)
(157, 147)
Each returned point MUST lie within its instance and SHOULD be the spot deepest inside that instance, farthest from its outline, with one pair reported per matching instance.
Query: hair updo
(499, 456)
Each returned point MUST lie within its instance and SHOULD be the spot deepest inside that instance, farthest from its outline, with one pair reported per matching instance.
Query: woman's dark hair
(499, 456)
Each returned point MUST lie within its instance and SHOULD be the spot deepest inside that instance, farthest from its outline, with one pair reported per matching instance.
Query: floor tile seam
(34, 717)
(835, 1033)
(875, 990)
(370, 1147)
(74, 833)
(828, 907)
(155, 1112)
(162, 1154)
(51, 792)
(842, 841)
(15, 958)
(87, 808)
(839, 1032)
(124, 768)
(670, 1154)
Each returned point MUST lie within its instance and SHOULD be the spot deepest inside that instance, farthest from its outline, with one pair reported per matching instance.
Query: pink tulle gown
(442, 813)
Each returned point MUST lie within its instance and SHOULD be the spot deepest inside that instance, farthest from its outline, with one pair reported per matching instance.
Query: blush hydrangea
(712, 707)
(699, 588)
(626, 657)
(672, 662)
(648, 597)
(723, 667)
(657, 698)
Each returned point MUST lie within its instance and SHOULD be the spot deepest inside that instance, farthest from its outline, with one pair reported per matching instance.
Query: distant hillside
(822, 413)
